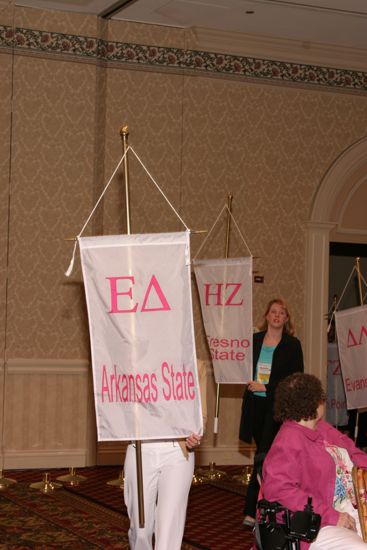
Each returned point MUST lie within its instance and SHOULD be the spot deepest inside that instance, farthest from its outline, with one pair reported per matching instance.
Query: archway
(345, 178)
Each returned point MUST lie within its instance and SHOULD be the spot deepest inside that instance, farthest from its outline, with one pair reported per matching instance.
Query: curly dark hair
(297, 397)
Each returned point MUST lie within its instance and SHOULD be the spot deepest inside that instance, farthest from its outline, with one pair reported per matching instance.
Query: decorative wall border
(83, 47)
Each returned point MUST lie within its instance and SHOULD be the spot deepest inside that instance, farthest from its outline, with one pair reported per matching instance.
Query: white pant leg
(173, 490)
(168, 475)
(140, 538)
(339, 538)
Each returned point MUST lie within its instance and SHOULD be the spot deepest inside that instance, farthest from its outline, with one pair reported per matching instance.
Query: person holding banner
(311, 458)
(277, 353)
(168, 468)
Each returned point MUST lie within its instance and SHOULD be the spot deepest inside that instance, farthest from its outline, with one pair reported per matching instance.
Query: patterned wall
(200, 126)
(52, 180)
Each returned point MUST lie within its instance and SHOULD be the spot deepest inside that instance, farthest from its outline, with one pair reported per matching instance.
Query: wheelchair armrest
(278, 527)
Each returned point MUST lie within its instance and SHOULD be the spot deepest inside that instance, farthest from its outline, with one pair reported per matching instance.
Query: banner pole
(359, 278)
(226, 253)
(4, 481)
(124, 133)
(228, 229)
(334, 310)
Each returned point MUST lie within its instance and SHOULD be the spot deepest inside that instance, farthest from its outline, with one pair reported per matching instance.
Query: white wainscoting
(225, 447)
(49, 419)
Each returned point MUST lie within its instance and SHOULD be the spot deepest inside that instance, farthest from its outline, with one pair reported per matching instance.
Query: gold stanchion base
(45, 486)
(119, 482)
(72, 478)
(198, 479)
(212, 473)
(5, 482)
(244, 477)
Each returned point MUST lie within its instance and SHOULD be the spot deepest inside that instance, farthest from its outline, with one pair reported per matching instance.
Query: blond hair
(288, 327)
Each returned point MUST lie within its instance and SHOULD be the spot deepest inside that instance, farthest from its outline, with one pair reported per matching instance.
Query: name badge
(263, 373)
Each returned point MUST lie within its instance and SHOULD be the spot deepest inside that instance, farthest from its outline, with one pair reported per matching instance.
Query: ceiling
(331, 22)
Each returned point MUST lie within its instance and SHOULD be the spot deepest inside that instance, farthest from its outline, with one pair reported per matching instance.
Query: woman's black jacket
(287, 359)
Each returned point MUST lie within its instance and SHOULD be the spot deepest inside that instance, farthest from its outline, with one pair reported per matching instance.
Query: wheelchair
(277, 528)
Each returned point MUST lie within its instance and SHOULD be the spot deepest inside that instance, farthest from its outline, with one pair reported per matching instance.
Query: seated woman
(310, 458)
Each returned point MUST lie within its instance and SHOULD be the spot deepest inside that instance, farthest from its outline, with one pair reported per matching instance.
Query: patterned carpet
(92, 515)
(30, 519)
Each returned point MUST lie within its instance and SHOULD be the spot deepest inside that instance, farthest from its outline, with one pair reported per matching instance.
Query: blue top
(263, 367)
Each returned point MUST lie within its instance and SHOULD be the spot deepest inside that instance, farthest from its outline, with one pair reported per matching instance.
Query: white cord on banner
(159, 189)
(209, 232)
(214, 224)
(69, 270)
(238, 229)
(365, 284)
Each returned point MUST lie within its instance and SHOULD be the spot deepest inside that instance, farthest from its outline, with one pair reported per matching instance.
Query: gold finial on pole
(124, 133)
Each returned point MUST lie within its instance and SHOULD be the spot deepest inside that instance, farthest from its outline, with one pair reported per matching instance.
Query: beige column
(316, 297)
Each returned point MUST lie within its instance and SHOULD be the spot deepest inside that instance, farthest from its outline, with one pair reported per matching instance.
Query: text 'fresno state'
(168, 383)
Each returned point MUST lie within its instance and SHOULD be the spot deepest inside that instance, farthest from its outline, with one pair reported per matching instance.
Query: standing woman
(277, 353)
(168, 467)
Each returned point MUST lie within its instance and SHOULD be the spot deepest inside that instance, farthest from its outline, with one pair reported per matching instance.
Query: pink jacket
(298, 466)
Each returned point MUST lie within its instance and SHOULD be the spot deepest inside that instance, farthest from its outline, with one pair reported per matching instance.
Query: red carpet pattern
(214, 517)
(30, 519)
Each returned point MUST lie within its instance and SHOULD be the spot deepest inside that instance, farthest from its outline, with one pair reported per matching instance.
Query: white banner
(225, 289)
(351, 328)
(336, 404)
(138, 290)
